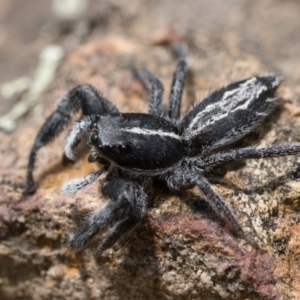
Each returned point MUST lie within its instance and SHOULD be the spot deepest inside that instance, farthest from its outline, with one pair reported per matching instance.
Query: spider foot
(238, 232)
(30, 189)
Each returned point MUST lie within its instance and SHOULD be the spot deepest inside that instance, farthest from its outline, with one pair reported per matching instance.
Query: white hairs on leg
(73, 186)
(73, 138)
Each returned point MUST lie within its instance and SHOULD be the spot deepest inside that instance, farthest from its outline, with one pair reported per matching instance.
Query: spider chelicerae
(136, 148)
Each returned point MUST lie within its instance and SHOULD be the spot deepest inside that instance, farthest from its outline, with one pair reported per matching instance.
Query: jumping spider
(134, 148)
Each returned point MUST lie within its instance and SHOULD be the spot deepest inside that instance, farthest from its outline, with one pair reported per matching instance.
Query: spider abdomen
(138, 141)
(228, 114)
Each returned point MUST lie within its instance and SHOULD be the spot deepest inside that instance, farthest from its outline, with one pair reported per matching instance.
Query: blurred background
(268, 29)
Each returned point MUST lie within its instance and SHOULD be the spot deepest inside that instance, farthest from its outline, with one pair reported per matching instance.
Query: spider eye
(94, 138)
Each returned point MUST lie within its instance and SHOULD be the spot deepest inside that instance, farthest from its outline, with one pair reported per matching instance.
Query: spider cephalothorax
(134, 148)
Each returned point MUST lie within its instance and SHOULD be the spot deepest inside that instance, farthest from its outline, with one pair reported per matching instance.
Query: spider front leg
(127, 206)
(83, 97)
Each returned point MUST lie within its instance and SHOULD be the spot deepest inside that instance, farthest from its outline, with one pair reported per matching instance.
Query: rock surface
(180, 250)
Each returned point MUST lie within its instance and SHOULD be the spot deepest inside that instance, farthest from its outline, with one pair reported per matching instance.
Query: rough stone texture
(180, 250)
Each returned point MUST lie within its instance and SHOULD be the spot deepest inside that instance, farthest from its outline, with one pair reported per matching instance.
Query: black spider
(135, 148)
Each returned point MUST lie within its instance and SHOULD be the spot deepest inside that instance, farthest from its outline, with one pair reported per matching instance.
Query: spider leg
(155, 87)
(118, 231)
(178, 82)
(127, 206)
(219, 206)
(98, 222)
(186, 175)
(139, 204)
(83, 97)
(246, 153)
(73, 186)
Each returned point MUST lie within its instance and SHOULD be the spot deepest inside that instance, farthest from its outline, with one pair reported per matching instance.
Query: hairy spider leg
(177, 87)
(127, 206)
(83, 97)
(245, 153)
(138, 199)
(219, 206)
(153, 84)
(185, 176)
(73, 186)
(74, 136)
